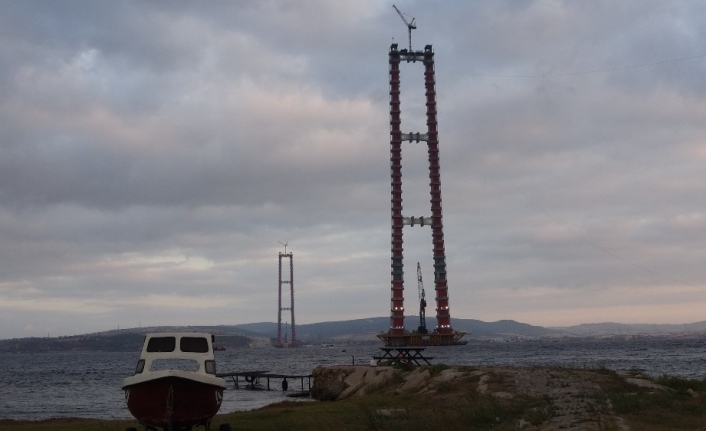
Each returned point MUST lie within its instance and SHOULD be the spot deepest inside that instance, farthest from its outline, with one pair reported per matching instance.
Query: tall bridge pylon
(293, 340)
(443, 334)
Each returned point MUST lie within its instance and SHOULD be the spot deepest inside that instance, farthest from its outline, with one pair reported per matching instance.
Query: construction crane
(422, 303)
(410, 26)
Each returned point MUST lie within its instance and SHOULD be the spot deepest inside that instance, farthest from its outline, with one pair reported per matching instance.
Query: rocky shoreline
(570, 398)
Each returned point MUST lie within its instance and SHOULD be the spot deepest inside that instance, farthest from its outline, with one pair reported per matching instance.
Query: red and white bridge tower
(443, 334)
(279, 342)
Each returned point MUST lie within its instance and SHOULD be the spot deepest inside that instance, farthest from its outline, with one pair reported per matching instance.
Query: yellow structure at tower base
(419, 339)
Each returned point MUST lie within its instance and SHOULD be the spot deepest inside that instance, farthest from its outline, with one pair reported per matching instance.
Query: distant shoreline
(359, 331)
(105, 343)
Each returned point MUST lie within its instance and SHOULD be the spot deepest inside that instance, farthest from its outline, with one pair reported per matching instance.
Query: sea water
(88, 384)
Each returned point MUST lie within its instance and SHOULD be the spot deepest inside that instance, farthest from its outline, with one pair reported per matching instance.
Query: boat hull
(173, 402)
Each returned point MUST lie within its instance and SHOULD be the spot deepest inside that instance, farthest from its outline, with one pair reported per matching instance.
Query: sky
(155, 157)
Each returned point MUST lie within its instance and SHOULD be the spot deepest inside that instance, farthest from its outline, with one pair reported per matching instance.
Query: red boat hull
(173, 401)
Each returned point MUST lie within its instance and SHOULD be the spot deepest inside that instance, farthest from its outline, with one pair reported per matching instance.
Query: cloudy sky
(153, 155)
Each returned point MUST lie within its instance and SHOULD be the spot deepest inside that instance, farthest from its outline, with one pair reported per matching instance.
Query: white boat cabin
(184, 351)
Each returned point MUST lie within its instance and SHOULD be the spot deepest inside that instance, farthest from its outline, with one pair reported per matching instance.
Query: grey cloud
(159, 151)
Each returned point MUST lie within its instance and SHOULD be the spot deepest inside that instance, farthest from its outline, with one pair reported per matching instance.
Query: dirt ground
(571, 396)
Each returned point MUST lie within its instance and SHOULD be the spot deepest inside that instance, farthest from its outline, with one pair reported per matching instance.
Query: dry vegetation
(483, 398)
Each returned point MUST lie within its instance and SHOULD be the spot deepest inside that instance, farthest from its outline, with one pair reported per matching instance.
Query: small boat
(175, 387)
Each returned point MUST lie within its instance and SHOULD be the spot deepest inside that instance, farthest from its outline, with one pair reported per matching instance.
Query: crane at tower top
(410, 25)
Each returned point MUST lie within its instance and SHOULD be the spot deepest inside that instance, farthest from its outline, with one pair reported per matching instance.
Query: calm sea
(47, 385)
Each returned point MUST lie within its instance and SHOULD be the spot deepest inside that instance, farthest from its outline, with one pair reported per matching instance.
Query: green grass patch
(681, 384)
(649, 409)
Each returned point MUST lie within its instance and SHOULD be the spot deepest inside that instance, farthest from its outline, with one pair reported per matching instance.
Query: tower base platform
(419, 339)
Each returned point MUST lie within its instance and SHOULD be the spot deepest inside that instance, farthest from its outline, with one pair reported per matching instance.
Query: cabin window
(193, 344)
(161, 344)
(174, 364)
(140, 366)
(210, 367)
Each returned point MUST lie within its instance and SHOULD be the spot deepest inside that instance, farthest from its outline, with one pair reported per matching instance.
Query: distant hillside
(349, 331)
(477, 329)
(367, 329)
(127, 340)
(232, 336)
(611, 328)
(122, 342)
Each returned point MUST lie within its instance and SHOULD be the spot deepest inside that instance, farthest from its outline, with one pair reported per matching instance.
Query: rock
(415, 380)
(329, 393)
(357, 376)
(381, 376)
(392, 413)
(483, 384)
(447, 374)
(337, 383)
(376, 378)
(643, 383)
(350, 390)
(329, 382)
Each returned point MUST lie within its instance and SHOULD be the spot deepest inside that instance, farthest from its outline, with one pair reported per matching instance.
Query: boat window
(140, 366)
(210, 367)
(174, 364)
(161, 344)
(193, 344)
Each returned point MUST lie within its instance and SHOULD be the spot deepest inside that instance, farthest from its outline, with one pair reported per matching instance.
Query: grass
(375, 412)
(682, 406)
(66, 424)
(409, 413)
(680, 384)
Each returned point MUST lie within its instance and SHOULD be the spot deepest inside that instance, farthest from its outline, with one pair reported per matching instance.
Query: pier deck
(253, 379)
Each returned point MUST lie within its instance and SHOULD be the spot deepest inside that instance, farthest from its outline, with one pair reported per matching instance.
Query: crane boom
(422, 302)
(410, 25)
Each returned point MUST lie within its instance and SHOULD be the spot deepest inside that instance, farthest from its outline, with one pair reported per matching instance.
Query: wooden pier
(402, 356)
(253, 379)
